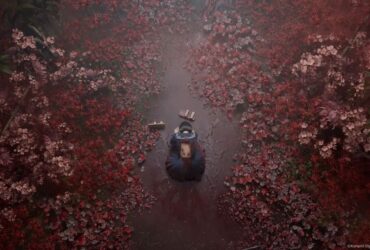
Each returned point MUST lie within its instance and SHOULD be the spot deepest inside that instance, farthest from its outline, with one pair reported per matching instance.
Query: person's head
(185, 127)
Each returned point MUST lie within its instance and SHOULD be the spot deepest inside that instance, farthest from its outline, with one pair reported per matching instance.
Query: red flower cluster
(304, 123)
(71, 136)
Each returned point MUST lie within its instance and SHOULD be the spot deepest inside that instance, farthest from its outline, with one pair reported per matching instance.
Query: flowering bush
(70, 134)
(304, 116)
(33, 147)
(339, 94)
(225, 57)
(59, 133)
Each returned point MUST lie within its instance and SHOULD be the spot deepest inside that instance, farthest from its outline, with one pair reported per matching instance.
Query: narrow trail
(184, 215)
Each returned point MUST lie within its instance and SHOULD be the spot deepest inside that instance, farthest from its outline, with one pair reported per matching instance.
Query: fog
(184, 124)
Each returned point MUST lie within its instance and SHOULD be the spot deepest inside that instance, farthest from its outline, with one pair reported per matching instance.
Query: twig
(252, 248)
(363, 154)
(357, 30)
(15, 112)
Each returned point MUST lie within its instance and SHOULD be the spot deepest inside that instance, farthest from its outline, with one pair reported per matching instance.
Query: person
(186, 158)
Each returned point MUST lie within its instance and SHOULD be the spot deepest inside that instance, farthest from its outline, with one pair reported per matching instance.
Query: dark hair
(185, 126)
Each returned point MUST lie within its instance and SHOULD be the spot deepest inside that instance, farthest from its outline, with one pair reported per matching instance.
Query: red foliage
(78, 114)
(286, 25)
(296, 70)
(249, 62)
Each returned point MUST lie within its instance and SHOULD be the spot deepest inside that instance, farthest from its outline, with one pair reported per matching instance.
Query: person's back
(186, 160)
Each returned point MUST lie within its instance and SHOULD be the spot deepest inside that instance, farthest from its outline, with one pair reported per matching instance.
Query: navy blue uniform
(185, 169)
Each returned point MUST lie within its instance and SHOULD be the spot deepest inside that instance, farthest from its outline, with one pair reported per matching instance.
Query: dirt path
(185, 214)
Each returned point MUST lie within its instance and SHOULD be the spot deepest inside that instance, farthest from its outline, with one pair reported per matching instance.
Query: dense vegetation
(296, 74)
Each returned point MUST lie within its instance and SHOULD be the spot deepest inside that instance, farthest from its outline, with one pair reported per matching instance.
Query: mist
(222, 124)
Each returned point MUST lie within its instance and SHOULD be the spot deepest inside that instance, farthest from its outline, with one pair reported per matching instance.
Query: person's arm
(174, 145)
(196, 135)
(173, 141)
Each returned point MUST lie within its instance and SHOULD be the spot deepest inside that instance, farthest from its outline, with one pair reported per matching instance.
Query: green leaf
(5, 69)
(52, 4)
(27, 6)
(37, 31)
(3, 57)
